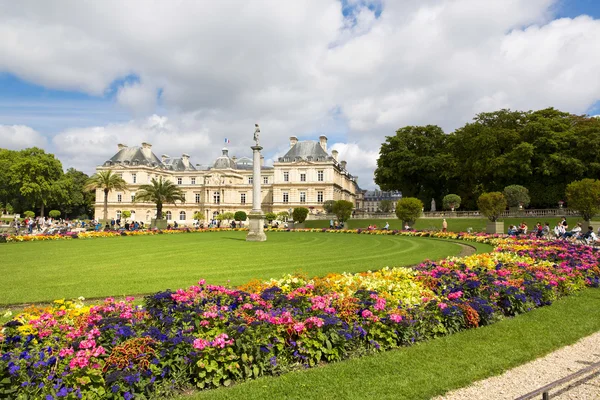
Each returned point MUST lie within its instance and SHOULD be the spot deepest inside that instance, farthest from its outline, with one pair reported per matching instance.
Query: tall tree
(34, 172)
(107, 181)
(159, 192)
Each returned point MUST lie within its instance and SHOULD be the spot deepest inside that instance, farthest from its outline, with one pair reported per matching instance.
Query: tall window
(132, 198)
(169, 215)
(179, 180)
(286, 197)
(118, 214)
(286, 176)
(319, 197)
(119, 197)
(265, 180)
(193, 181)
(302, 197)
(182, 215)
(217, 197)
(243, 198)
(320, 176)
(303, 177)
(197, 197)
(250, 180)
(134, 178)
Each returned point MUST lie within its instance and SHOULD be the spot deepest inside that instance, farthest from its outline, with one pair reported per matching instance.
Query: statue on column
(256, 133)
(432, 204)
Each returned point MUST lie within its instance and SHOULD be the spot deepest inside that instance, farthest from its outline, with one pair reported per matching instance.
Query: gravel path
(533, 375)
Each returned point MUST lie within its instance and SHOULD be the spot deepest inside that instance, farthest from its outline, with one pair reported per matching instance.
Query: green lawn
(432, 368)
(44, 271)
(454, 224)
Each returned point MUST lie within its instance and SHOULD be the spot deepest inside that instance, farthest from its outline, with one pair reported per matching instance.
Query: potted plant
(492, 205)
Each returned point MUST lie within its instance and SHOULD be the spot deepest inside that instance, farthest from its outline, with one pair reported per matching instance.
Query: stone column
(256, 232)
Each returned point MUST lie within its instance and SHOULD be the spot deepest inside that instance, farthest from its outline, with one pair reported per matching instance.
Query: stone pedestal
(256, 228)
(494, 227)
(158, 224)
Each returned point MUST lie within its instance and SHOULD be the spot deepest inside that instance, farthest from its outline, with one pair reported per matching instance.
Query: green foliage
(220, 217)
(492, 205)
(386, 206)
(240, 216)
(409, 209)
(29, 214)
(9, 209)
(228, 215)
(328, 206)
(160, 192)
(198, 215)
(299, 214)
(516, 195)
(343, 210)
(584, 196)
(106, 181)
(54, 213)
(270, 216)
(451, 201)
(282, 215)
(542, 150)
(125, 214)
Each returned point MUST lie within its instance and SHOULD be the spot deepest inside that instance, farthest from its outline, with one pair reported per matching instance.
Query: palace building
(306, 176)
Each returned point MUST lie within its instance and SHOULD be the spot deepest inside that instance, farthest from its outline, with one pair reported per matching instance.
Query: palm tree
(159, 192)
(107, 181)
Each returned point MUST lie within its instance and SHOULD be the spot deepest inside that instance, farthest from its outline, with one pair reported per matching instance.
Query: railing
(527, 213)
(544, 391)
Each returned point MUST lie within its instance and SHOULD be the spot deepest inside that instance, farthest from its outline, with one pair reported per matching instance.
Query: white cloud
(18, 137)
(288, 64)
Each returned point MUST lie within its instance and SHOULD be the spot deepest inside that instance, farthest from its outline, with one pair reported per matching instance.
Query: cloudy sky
(78, 77)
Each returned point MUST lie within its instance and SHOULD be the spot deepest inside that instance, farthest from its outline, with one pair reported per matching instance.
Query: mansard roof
(178, 164)
(304, 150)
(134, 156)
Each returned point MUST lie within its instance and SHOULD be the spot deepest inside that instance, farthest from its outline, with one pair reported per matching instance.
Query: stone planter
(158, 224)
(495, 227)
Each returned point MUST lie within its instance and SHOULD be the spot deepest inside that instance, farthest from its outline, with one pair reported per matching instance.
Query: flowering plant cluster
(207, 336)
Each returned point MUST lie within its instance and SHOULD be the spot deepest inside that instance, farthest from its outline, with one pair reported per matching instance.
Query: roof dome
(224, 161)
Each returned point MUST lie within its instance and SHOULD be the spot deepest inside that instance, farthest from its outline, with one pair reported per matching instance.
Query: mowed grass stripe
(44, 271)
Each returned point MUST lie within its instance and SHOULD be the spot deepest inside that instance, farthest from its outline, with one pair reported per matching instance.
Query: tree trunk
(158, 210)
(42, 210)
(105, 205)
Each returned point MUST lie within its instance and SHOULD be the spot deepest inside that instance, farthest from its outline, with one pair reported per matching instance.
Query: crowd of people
(560, 231)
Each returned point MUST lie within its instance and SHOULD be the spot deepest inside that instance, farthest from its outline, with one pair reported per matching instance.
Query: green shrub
(125, 214)
(451, 201)
(198, 215)
(240, 216)
(328, 206)
(408, 209)
(29, 214)
(54, 213)
(516, 195)
(299, 214)
(270, 216)
(584, 197)
(492, 205)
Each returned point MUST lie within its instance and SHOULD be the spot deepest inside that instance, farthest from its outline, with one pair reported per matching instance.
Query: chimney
(234, 158)
(262, 161)
(147, 149)
(334, 153)
(164, 157)
(323, 142)
(185, 158)
(121, 146)
(343, 163)
(293, 141)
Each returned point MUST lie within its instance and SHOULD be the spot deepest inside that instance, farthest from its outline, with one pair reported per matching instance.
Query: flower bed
(208, 336)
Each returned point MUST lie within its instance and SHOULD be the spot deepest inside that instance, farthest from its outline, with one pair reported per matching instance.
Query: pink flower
(380, 304)
(455, 295)
(442, 306)
(200, 344)
(396, 317)
(298, 327)
(129, 299)
(87, 344)
(66, 352)
(366, 314)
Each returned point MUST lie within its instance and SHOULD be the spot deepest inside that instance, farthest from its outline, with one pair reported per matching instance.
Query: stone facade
(306, 176)
(372, 199)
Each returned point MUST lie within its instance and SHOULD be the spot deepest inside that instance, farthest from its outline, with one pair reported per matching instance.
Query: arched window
(118, 214)
(182, 215)
(169, 216)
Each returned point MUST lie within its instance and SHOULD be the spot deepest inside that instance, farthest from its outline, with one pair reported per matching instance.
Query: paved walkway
(535, 374)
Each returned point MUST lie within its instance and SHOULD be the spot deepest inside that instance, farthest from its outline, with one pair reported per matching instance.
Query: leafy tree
(220, 217)
(125, 214)
(386, 206)
(34, 172)
(343, 210)
(29, 214)
(198, 215)
(451, 201)
(54, 213)
(159, 192)
(9, 209)
(270, 216)
(107, 181)
(328, 206)
(299, 214)
(516, 195)
(584, 197)
(228, 215)
(282, 215)
(240, 216)
(408, 209)
(492, 205)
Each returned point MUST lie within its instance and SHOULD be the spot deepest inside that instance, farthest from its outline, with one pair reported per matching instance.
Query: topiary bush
(343, 210)
(29, 214)
(492, 205)
(299, 214)
(54, 213)
(408, 209)
(240, 216)
(451, 201)
(584, 197)
(516, 195)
